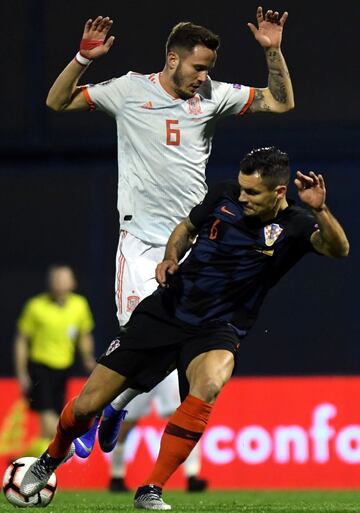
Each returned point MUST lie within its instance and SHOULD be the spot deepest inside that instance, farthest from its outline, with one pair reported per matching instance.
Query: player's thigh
(207, 361)
(136, 262)
(103, 385)
(213, 366)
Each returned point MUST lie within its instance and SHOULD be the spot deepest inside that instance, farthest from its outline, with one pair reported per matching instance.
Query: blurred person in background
(51, 327)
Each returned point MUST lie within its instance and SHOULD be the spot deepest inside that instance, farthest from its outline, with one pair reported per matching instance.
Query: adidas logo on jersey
(147, 105)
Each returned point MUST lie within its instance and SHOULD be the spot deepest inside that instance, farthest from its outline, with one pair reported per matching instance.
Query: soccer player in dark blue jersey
(244, 236)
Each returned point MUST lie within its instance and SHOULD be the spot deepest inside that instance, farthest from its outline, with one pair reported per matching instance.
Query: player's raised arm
(64, 93)
(330, 239)
(278, 97)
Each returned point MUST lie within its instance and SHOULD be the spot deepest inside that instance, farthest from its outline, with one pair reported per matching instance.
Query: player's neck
(279, 207)
(167, 83)
(60, 299)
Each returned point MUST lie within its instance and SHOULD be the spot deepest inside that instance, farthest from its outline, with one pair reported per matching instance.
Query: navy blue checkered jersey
(235, 259)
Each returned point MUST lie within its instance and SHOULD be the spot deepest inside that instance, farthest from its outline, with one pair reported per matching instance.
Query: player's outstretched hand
(270, 28)
(93, 44)
(163, 269)
(311, 189)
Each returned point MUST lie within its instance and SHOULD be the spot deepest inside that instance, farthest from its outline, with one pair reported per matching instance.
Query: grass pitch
(208, 502)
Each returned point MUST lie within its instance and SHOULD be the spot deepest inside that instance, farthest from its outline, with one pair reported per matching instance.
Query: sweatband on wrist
(82, 60)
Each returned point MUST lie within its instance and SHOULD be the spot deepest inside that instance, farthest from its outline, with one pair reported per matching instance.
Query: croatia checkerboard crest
(272, 233)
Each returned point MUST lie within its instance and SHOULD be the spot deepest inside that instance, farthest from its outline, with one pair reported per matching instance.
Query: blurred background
(58, 172)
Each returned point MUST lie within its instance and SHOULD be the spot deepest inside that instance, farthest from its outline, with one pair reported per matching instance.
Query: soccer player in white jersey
(165, 124)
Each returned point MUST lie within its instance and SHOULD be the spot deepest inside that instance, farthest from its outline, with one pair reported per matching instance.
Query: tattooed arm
(181, 239)
(278, 96)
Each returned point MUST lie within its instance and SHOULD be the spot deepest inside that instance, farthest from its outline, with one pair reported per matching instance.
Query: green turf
(209, 502)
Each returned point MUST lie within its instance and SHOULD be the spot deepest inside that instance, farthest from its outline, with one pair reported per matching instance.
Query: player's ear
(281, 191)
(172, 60)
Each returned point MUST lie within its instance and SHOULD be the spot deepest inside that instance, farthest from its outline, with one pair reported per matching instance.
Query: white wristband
(82, 60)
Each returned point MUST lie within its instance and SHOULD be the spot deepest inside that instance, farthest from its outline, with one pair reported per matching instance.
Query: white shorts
(164, 398)
(136, 262)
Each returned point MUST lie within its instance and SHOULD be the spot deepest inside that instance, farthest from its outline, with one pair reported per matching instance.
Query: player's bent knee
(207, 390)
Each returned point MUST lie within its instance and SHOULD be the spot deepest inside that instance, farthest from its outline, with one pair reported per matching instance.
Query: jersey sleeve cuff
(85, 92)
(249, 102)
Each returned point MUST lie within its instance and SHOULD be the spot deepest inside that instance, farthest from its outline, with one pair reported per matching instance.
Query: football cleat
(149, 497)
(110, 427)
(84, 444)
(40, 472)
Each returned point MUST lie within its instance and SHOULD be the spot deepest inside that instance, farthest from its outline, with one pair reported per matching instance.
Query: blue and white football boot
(84, 444)
(110, 427)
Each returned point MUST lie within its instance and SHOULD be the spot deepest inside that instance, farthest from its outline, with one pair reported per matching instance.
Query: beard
(178, 79)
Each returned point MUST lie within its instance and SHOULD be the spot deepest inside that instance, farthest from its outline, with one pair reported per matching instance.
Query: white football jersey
(164, 144)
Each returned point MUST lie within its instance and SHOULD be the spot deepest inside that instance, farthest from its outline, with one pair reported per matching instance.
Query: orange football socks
(68, 429)
(181, 434)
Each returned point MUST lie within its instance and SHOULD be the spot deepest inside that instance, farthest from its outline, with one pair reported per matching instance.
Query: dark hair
(186, 35)
(271, 163)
